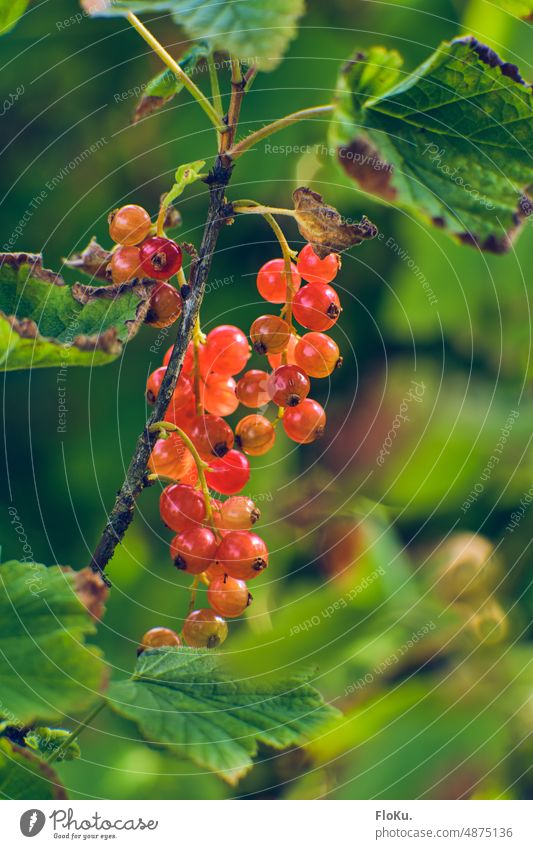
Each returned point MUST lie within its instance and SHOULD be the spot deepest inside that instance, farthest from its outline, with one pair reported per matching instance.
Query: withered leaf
(93, 261)
(324, 227)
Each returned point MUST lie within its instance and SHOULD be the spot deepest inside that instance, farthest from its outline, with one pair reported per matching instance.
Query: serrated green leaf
(44, 322)
(166, 85)
(182, 699)
(46, 669)
(47, 740)
(10, 12)
(25, 776)
(453, 141)
(255, 31)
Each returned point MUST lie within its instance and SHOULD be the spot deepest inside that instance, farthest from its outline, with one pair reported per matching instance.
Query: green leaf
(166, 85)
(453, 141)
(183, 700)
(522, 8)
(255, 31)
(46, 669)
(47, 740)
(10, 12)
(44, 322)
(25, 776)
(185, 175)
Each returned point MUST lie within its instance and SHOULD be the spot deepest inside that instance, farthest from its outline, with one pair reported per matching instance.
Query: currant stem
(301, 115)
(82, 725)
(193, 590)
(250, 207)
(196, 339)
(192, 88)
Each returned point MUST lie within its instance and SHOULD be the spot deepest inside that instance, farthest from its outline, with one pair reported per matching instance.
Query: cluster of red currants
(138, 253)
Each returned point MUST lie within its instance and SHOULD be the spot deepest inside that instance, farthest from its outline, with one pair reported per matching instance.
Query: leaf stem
(196, 339)
(301, 115)
(82, 725)
(215, 87)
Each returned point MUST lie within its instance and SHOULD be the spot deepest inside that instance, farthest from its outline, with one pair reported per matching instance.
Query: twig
(303, 114)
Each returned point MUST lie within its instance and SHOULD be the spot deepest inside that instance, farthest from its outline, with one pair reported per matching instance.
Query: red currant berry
(227, 350)
(270, 334)
(182, 397)
(212, 436)
(316, 306)
(153, 384)
(229, 474)
(276, 360)
(165, 306)
(272, 283)
(316, 270)
(204, 629)
(243, 555)
(317, 354)
(129, 225)
(160, 257)
(171, 458)
(125, 264)
(193, 550)
(255, 435)
(181, 507)
(306, 422)
(288, 386)
(228, 596)
(251, 389)
(238, 513)
(218, 394)
(157, 638)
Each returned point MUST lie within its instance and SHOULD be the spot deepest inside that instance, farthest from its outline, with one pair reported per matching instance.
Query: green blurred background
(451, 717)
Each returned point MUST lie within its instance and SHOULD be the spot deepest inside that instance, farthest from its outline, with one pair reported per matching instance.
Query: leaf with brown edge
(23, 775)
(324, 227)
(92, 260)
(91, 590)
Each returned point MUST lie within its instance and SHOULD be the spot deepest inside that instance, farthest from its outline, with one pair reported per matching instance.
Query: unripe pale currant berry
(165, 306)
(228, 474)
(193, 550)
(228, 596)
(242, 555)
(255, 435)
(217, 393)
(226, 350)
(315, 270)
(125, 264)
(171, 458)
(270, 334)
(157, 638)
(129, 225)
(204, 629)
(317, 354)
(277, 360)
(272, 283)
(251, 389)
(306, 422)
(212, 436)
(288, 385)
(160, 257)
(316, 306)
(181, 507)
(238, 513)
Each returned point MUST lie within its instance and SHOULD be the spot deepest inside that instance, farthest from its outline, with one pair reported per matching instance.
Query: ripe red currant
(160, 257)
(157, 638)
(238, 513)
(272, 283)
(316, 270)
(306, 422)
(165, 306)
(316, 306)
(255, 435)
(243, 555)
(171, 458)
(317, 354)
(276, 360)
(288, 386)
(218, 394)
(270, 334)
(193, 550)
(153, 384)
(212, 436)
(129, 225)
(228, 596)
(181, 507)
(204, 629)
(251, 388)
(229, 474)
(226, 350)
(125, 264)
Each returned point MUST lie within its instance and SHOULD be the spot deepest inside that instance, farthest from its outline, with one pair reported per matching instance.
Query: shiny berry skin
(125, 264)
(312, 269)
(193, 550)
(157, 638)
(218, 394)
(238, 513)
(306, 422)
(288, 386)
(243, 555)
(226, 350)
(129, 225)
(153, 384)
(204, 629)
(212, 436)
(229, 474)
(316, 306)
(228, 596)
(182, 395)
(181, 507)
(271, 281)
(276, 360)
(317, 354)
(165, 306)
(160, 257)
(270, 334)
(251, 389)
(171, 457)
(255, 435)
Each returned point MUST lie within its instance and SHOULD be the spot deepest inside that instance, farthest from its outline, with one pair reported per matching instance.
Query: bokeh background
(434, 679)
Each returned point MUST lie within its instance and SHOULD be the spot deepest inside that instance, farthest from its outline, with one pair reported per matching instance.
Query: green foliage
(182, 699)
(164, 86)
(523, 8)
(47, 740)
(25, 776)
(185, 176)
(46, 668)
(10, 12)
(452, 141)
